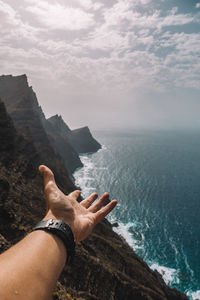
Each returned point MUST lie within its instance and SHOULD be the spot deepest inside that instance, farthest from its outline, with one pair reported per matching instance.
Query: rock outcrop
(83, 141)
(51, 135)
(104, 267)
(18, 161)
(80, 139)
(7, 130)
(57, 131)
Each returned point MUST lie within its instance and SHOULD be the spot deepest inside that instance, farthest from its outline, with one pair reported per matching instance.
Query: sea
(155, 176)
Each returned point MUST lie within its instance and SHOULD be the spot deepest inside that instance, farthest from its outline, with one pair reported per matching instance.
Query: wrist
(62, 231)
(68, 221)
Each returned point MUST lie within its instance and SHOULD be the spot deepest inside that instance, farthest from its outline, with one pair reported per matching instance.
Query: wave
(87, 179)
(193, 295)
(127, 231)
(169, 275)
(83, 176)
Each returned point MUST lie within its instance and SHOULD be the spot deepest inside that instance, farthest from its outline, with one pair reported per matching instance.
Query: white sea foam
(194, 295)
(102, 148)
(88, 179)
(169, 275)
(84, 177)
(123, 230)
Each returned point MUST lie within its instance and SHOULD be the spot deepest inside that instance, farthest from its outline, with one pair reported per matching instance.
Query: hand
(81, 217)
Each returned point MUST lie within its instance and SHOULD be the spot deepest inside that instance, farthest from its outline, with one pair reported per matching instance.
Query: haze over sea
(155, 175)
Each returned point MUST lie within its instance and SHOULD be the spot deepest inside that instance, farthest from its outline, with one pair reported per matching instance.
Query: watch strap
(61, 230)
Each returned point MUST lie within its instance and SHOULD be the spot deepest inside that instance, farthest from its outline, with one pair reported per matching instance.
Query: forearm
(30, 269)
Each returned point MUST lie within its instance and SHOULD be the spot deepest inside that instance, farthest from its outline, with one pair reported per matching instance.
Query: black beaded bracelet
(61, 230)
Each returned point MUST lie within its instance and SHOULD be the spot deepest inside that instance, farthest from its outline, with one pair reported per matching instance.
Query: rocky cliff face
(7, 130)
(57, 131)
(52, 135)
(18, 161)
(104, 267)
(22, 105)
(80, 139)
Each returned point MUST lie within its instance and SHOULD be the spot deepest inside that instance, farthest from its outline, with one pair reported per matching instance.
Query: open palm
(81, 217)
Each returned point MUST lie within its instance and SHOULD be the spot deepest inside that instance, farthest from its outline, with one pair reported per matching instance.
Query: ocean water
(155, 176)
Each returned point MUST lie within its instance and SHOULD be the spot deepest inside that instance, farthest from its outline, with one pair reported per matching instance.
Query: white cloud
(123, 16)
(123, 50)
(8, 14)
(57, 16)
(89, 4)
(99, 50)
(12, 27)
(197, 5)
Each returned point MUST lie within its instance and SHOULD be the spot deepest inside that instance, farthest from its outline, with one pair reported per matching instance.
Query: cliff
(80, 139)
(104, 267)
(61, 144)
(18, 160)
(51, 135)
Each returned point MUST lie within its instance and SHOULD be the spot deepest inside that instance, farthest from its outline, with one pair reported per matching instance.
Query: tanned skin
(30, 269)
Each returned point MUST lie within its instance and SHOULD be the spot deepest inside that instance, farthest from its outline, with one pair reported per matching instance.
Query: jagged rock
(104, 267)
(50, 136)
(4, 190)
(7, 131)
(59, 124)
(57, 131)
(115, 224)
(22, 105)
(4, 244)
(81, 139)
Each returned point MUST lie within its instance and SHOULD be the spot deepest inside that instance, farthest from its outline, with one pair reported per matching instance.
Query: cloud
(57, 16)
(122, 13)
(91, 48)
(8, 10)
(197, 5)
(8, 15)
(89, 4)
(12, 28)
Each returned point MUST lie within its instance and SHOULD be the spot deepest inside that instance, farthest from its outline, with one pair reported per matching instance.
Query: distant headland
(105, 267)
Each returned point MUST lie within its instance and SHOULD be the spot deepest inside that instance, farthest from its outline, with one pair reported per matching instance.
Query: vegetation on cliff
(104, 267)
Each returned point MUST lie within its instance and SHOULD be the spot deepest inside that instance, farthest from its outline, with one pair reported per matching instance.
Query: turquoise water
(155, 175)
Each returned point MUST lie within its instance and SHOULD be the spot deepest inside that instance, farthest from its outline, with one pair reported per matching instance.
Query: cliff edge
(80, 139)
(104, 267)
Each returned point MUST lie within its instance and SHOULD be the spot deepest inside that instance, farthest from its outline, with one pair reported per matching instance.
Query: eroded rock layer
(104, 267)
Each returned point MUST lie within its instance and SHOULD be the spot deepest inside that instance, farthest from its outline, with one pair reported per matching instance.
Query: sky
(107, 63)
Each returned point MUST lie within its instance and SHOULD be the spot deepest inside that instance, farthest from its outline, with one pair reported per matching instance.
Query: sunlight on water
(144, 214)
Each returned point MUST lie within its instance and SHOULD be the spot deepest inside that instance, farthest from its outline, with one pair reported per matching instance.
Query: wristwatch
(61, 230)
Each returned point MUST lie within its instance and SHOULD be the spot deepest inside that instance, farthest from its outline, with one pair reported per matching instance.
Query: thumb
(48, 175)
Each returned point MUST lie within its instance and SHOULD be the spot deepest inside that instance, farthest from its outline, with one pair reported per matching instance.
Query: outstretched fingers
(104, 198)
(103, 212)
(88, 201)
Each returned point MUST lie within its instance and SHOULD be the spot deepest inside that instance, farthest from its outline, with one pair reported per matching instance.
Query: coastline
(112, 270)
(88, 185)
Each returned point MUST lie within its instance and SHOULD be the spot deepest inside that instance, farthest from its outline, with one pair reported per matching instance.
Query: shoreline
(169, 274)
